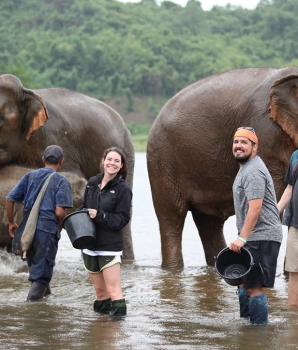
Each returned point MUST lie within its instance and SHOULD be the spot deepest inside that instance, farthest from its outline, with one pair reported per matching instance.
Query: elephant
(189, 150)
(31, 120)
(9, 176)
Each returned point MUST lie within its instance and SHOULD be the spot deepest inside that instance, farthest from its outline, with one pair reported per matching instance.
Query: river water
(189, 309)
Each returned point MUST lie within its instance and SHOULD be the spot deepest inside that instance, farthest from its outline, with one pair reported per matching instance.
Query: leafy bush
(104, 48)
(138, 129)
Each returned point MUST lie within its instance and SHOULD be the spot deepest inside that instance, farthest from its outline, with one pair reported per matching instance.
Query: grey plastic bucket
(232, 267)
(80, 229)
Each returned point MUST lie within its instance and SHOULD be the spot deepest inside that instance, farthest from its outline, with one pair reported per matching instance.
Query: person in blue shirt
(58, 196)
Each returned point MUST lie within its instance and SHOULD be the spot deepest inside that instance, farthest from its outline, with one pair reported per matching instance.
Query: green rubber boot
(243, 302)
(118, 308)
(258, 309)
(103, 306)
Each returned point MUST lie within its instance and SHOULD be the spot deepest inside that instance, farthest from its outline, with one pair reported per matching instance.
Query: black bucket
(232, 267)
(80, 229)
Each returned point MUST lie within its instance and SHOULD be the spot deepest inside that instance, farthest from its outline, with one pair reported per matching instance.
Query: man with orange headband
(258, 224)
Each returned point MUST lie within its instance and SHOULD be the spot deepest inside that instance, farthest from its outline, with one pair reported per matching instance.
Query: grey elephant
(189, 152)
(30, 120)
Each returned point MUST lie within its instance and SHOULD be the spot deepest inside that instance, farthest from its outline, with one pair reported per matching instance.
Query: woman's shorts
(95, 264)
(292, 250)
(264, 253)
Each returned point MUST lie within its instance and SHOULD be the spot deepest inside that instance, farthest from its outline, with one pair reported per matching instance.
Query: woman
(108, 201)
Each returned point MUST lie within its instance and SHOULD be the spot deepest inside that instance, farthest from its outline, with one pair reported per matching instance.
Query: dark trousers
(41, 257)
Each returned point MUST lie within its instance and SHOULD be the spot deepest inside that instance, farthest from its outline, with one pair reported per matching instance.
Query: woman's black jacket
(113, 204)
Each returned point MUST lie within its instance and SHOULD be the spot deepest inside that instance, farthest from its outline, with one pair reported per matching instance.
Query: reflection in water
(189, 309)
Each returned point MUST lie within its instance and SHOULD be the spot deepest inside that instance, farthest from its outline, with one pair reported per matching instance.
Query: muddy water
(190, 309)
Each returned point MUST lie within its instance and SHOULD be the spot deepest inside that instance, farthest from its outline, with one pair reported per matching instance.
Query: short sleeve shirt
(290, 179)
(254, 181)
(57, 194)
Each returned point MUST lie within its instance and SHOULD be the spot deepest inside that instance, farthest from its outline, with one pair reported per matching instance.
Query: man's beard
(243, 159)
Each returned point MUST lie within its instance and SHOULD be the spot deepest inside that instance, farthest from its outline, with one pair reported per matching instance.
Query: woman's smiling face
(112, 163)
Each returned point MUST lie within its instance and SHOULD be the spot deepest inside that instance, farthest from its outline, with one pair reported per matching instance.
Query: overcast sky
(208, 4)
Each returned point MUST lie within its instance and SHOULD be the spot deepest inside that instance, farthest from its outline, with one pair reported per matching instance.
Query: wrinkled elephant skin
(189, 152)
(9, 176)
(30, 120)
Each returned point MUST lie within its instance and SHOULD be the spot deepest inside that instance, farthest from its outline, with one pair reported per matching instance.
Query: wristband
(242, 239)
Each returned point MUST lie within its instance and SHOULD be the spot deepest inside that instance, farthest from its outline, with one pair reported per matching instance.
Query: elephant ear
(37, 114)
(283, 107)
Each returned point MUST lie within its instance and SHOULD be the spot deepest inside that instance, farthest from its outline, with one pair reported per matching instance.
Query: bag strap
(29, 230)
(42, 191)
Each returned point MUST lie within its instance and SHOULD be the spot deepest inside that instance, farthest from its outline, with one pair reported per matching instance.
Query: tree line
(105, 48)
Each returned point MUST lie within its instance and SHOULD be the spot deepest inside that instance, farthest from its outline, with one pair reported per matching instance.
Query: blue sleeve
(64, 194)
(17, 194)
(292, 169)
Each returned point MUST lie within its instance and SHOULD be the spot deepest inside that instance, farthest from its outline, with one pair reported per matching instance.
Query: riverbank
(139, 134)
(140, 142)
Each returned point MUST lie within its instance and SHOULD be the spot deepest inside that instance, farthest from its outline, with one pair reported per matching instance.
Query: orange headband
(247, 133)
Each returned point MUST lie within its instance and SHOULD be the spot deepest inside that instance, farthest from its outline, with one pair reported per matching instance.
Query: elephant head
(21, 112)
(284, 105)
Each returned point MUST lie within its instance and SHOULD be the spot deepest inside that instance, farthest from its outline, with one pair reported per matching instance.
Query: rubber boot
(118, 308)
(243, 302)
(258, 309)
(48, 291)
(37, 291)
(103, 306)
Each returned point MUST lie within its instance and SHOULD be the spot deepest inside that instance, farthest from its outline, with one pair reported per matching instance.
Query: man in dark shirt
(290, 196)
(42, 253)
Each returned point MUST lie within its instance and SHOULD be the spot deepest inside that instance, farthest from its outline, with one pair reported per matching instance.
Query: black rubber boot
(118, 308)
(103, 306)
(48, 291)
(258, 309)
(37, 291)
(243, 302)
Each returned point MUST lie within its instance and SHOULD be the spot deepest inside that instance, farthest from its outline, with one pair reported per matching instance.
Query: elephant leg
(171, 226)
(211, 232)
(128, 253)
(171, 207)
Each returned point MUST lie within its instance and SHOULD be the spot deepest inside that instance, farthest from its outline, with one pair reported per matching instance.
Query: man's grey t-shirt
(254, 181)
